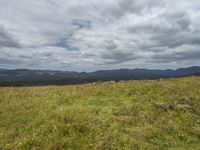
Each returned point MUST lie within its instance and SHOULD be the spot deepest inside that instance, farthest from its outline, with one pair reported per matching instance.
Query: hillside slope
(162, 114)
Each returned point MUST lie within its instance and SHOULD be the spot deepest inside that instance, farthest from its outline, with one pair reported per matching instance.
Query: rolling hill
(25, 77)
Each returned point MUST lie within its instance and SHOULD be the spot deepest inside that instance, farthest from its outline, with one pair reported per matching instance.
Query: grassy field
(151, 115)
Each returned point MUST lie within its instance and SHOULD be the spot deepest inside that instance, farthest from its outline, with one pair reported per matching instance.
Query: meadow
(140, 115)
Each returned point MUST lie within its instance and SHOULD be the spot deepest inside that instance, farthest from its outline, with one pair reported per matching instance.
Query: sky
(89, 35)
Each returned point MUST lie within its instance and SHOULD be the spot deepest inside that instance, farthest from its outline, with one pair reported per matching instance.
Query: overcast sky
(87, 35)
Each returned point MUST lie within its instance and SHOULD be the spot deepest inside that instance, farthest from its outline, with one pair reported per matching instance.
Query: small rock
(183, 106)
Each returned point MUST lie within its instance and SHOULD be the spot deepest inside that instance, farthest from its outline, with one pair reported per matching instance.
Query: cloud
(6, 39)
(179, 54)
(95, 34)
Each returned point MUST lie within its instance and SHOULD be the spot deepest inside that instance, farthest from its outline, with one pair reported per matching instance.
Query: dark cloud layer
(90, 35)
(7, 40)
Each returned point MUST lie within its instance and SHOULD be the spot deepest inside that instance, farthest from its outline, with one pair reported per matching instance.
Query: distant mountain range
(25, 77)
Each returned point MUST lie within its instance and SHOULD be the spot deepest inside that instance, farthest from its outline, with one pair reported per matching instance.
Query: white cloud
(95, 34)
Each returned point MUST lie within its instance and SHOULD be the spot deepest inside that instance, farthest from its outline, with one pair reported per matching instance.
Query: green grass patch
(128, 115)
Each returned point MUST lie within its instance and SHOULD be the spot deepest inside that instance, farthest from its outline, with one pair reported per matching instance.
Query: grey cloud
(81, 23)
(46, 57)
(99, 34)
(7, 40)
(180, 54)
(7, 62)
(118, 57)
(120, 8)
